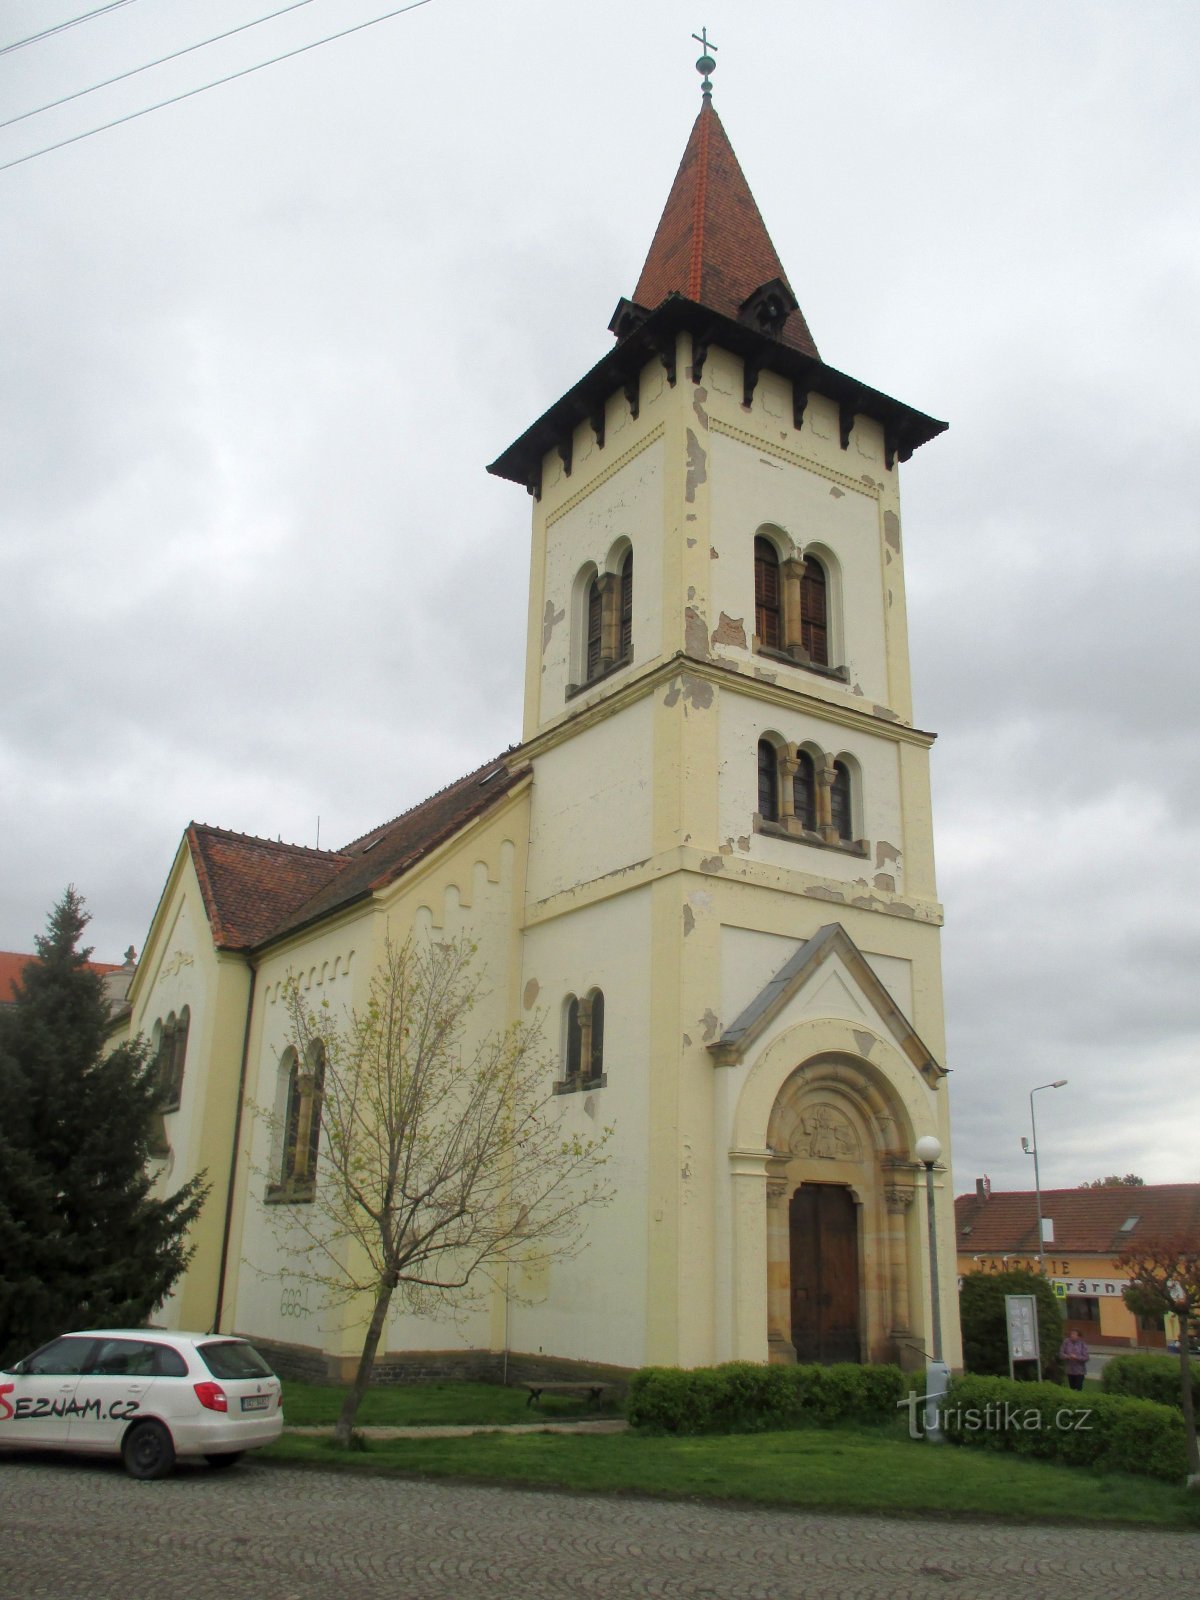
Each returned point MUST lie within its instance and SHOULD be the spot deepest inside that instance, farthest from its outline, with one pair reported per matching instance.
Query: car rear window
(233, 1358)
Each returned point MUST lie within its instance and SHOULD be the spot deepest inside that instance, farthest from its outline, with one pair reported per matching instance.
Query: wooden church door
(823, 1225)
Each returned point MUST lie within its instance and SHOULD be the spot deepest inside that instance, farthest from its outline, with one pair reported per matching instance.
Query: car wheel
(147, 1451)
(219, 1463)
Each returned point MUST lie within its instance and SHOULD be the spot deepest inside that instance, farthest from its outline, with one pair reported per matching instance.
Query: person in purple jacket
(1074, 1352)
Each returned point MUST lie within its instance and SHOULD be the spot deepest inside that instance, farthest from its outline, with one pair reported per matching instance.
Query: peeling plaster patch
(828, 894)
(550, 621)
(710, 1026)
(697, 693)
(730, 630)
(727, 848)
(691, 592)
(766, 677)
(886, 852)
(687, 1041)
(698, 399)
(857, 689)
(713, 554)
(531, 994)
(743, 841)
(886, 713)
(695, 634)
(864, 1041)
(778, 465)
(836, 492)
(870, 481)
(672, 694)
(697, 468)
(689, 920)
(712, 864)
(891, 529)
(685, 1172)
(691, 517)
(884, 880)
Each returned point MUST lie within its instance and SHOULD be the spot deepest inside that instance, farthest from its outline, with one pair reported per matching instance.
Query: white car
(144, 1395)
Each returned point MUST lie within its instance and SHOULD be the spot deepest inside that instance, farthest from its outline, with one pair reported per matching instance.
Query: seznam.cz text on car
(145, 1395)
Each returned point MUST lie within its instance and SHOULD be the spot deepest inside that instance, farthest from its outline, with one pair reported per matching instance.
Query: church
(707, 867)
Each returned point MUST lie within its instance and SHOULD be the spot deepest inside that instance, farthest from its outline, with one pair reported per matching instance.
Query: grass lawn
(429, 1404)
(849, 1469)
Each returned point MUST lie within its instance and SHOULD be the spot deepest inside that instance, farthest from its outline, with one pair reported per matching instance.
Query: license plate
(256, 1402)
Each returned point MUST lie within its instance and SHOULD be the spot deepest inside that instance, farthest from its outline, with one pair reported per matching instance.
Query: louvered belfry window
(814, 612)
(804, 791)
(766, 593)
(626, 645)
(768, 782)
(595, 619)
(839, 801)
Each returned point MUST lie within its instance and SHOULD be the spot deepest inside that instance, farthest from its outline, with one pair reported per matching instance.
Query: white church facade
(707, 867)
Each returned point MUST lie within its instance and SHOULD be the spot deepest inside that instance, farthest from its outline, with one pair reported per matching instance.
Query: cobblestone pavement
(77, 1530)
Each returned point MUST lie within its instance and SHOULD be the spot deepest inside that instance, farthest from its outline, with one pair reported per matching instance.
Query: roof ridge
(381, 827)
(257, 838)
(696, 265)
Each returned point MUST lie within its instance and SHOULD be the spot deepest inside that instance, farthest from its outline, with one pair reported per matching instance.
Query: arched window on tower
(767, 617)
(595, 630)
(814, 612)
(625, 642)
(768, 781)
(841, 801)
(804, 791)
(596, 1053)
(583, 1065)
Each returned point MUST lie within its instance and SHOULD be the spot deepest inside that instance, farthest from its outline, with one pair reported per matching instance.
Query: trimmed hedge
(1150, 1378)
(1110, 1432)
(745, 1397)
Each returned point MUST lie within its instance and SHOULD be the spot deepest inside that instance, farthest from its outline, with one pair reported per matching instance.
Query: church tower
(730, 910)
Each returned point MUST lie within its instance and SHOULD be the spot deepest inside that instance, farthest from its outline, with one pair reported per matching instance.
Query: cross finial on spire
(706, 64)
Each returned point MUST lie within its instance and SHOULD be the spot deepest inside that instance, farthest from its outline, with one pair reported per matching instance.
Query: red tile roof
(13, 964)
(256, 890)
(1086, 1221)
(711, 244)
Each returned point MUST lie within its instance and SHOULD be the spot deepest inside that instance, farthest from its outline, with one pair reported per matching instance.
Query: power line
(133, 71)
(61, 27)
(215, 84)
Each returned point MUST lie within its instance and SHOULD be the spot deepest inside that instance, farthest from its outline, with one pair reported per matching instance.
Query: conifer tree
(82, 1241)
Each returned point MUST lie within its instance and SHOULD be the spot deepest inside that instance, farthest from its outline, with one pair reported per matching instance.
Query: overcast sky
(259, 346)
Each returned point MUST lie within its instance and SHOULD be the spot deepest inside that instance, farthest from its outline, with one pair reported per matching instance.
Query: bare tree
(1164, 1277)
(437, 1159)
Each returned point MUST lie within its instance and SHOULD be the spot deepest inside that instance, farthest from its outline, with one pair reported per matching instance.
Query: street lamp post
(937, 1374)
(1059, 1083)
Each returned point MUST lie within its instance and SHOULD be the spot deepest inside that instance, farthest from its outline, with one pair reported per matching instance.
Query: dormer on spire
(712, 246)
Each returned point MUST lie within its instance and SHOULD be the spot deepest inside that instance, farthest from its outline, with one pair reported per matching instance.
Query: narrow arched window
(596, 1065)
(768, 781)
(840, 801)
(595, 630)
(574, 1042)
(814, 612)
(291, 1119)
(804, 791)
(767, 623)
(310, 1124)
(626, 608)
(175, 1064)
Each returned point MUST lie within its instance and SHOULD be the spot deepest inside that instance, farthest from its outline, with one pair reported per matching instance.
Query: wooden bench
(585, 1389)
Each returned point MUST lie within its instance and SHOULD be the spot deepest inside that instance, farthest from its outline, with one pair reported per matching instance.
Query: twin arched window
(584, 1064)
(304, 1092)
(170, 1058)
(796, 624)
(608, 621)
(800, 796)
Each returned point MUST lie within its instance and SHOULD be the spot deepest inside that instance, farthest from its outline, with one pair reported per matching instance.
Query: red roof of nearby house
(1086, 1221)
(711, 244)
(256, 890)
(13, 964)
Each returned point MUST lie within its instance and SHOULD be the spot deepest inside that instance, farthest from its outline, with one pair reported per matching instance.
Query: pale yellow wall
(180, 967)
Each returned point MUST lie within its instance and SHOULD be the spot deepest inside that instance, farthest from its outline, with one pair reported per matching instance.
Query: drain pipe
(233, 1156)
